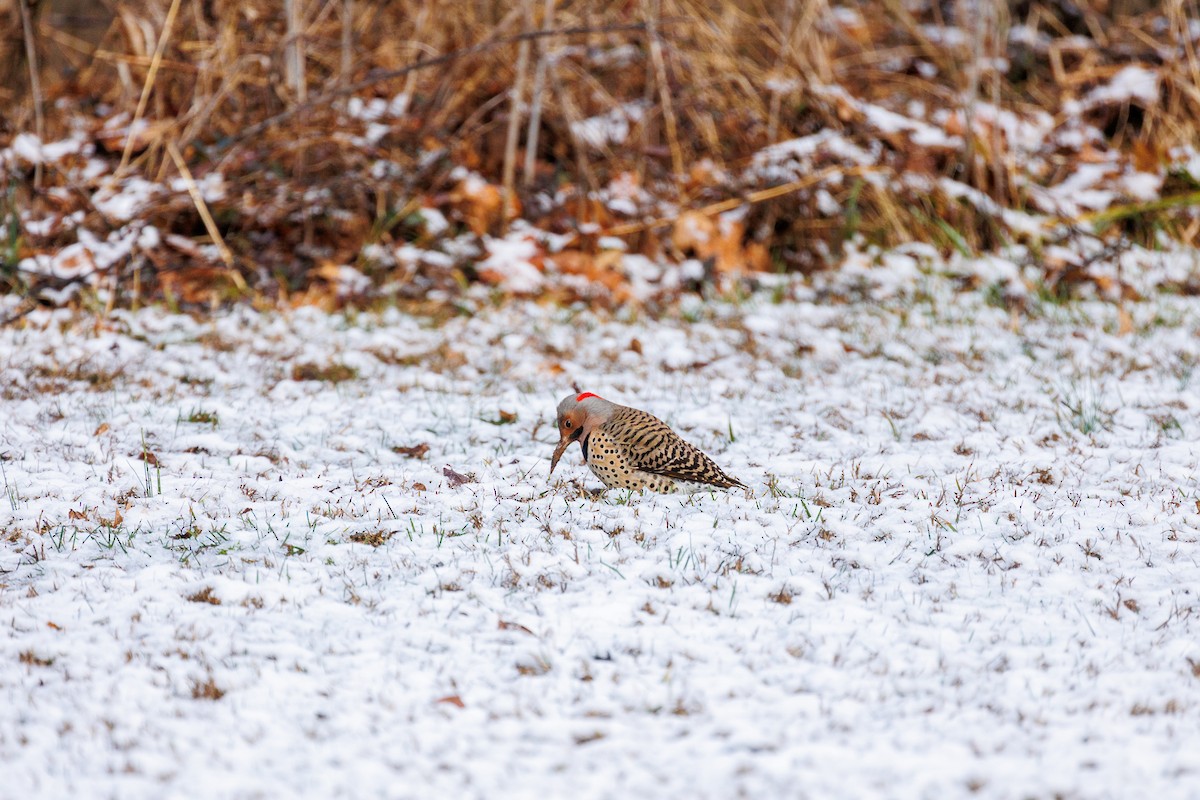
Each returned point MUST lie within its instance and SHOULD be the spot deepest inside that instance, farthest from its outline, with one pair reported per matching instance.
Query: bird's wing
(653, 447)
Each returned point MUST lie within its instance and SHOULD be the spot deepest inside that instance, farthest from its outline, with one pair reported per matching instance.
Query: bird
(627, 448)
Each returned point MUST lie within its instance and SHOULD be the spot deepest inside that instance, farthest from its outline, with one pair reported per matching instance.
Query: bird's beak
(563, 444)
(558, 451)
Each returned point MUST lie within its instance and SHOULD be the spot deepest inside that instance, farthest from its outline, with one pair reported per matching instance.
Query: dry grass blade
(35, 84)
(151, 74)
(1126, 211)
(202, 209)
(372, 152)
(664, 89)
(424, 64)
(535, 101)
(514, 116)
(761, 196)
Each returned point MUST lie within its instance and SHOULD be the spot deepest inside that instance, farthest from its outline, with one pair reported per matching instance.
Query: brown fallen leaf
(419, 487)
(1125, 321)
(453, 700)
(416, 451)
(456, 479)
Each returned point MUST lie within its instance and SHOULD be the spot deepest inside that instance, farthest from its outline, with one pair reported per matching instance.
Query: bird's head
(578, 414)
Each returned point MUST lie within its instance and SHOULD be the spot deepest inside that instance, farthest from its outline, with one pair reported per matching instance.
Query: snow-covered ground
(968, 565)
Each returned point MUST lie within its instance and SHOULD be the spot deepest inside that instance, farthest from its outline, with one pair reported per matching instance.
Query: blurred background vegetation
(270, 146)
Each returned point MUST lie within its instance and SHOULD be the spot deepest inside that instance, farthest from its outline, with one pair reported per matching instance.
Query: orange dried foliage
(197, 285)
(480, 205)
(603, 268)
(322, 293)
(720, 240)
(587, 209)
(306, 192)
(1147, 155)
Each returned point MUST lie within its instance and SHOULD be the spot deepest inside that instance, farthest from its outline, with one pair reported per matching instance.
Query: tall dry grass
(265, 93)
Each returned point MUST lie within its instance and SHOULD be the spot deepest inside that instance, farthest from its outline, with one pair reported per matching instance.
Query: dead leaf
(719, 239)
(418, 487)
(415, 451)
(584, 207)
(104, 428)
(73, 514)
(456, 479)
(505, 418)
(198, 285)
(694, 231)
(514, 626)
(603, 268)
(480, 204)
(453, 700)
(1146, 156)
(1125, 321)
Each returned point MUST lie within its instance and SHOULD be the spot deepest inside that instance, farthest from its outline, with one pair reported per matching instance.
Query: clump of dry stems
(333, 123)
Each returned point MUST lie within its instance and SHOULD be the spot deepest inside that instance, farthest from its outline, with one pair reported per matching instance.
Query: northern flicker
(630, 449)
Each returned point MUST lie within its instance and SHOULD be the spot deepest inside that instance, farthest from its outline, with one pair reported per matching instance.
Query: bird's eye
(567, 424)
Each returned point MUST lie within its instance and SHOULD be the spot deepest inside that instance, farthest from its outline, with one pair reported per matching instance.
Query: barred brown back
(651, 446)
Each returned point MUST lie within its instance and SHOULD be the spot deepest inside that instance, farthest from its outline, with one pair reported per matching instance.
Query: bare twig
(664, 89)
(294, 57)
(514, 119)
(785, 54)
(535, 101)
(35, 85)
(163, 38)
(202, 209)
(26, 307)
(572, 115)
(347, 39)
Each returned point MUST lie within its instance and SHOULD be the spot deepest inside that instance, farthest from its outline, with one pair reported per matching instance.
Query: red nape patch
(584, 396)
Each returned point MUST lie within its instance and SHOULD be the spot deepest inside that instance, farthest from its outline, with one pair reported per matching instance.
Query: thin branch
(293, 52)
(535, 101)
(664, 90)
(35, 85)
(163, 38)
(202, 208)
(514, 120)
(347, 40)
